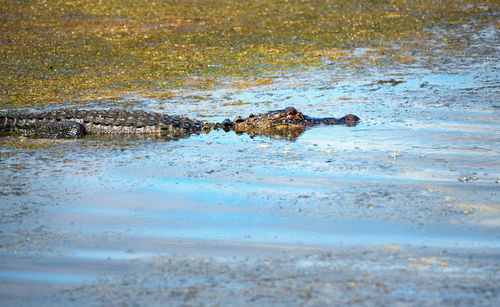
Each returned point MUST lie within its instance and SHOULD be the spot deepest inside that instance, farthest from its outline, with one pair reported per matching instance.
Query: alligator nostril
(350, 120)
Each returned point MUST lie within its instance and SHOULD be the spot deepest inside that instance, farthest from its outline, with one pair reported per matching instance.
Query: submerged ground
(402, 209)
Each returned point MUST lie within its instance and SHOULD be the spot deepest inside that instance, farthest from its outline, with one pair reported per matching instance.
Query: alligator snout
(349, 120)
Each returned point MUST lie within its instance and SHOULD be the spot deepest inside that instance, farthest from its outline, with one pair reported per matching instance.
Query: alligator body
(78, 123)
(288, 123)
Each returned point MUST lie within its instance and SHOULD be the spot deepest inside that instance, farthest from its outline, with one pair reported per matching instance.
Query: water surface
(385, 212)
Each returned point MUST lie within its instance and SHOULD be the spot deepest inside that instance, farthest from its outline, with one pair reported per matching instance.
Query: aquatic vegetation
(54, 51)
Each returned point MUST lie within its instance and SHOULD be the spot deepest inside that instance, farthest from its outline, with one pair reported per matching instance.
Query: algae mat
(54, 52)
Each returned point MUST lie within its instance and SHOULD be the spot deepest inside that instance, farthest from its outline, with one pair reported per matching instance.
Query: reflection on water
(45, 277)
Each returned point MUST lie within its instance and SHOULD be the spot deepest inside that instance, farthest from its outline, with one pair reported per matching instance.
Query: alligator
(71, 123)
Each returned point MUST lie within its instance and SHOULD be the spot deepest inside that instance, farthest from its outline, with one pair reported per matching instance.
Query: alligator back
(103, 122)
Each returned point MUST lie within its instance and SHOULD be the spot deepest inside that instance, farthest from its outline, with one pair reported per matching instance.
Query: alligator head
(288, 123)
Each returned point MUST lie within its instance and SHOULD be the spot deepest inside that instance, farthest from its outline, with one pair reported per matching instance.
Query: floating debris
(391, 81)
(467, 178)
(394, 155)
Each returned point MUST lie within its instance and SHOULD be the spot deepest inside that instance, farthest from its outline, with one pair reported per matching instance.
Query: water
(419, 177)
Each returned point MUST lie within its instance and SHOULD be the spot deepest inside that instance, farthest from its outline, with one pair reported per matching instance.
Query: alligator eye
(276, 115)
(291, 111)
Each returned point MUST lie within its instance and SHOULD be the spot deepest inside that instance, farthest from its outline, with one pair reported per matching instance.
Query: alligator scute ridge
(72, 123)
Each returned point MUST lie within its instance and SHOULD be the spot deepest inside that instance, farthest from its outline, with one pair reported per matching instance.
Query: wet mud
(402, 209)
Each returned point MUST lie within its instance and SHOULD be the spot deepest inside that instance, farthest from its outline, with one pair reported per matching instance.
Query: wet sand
(402, 209)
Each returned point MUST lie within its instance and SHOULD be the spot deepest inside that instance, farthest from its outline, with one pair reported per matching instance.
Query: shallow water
(414, 188)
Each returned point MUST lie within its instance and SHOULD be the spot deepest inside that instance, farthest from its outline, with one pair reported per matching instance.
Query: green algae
(57, 52)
